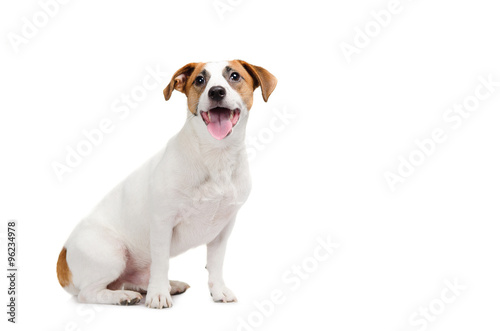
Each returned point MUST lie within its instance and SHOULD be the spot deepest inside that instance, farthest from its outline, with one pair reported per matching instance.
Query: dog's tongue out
(220, 124)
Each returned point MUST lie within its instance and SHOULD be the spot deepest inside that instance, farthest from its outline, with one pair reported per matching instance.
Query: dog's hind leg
(97, 258)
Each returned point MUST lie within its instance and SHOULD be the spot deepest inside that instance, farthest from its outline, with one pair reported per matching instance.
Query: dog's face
(220, 94)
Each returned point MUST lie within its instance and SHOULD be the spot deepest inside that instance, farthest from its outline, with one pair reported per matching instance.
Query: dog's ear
(179, 80)
(262, 78)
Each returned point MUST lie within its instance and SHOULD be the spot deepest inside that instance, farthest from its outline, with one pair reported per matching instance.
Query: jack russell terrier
(185, 196)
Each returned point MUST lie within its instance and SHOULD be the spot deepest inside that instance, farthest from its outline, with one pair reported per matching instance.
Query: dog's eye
(235, 76)
(200, 80)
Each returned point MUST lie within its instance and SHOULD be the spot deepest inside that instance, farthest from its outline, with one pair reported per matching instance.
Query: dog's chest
(207, 207)
(213, 201)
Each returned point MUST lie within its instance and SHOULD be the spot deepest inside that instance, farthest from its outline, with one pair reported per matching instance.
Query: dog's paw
(127, 298)
(158, 298)
(221, 293)
(177, 287)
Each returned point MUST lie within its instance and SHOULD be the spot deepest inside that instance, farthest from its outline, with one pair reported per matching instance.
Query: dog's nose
(217, 93)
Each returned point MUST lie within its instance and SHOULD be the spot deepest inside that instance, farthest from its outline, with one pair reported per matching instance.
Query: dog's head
(220, 94)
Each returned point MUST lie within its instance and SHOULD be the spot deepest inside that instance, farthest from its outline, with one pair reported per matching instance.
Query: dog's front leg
(158, 295)
(216, 250)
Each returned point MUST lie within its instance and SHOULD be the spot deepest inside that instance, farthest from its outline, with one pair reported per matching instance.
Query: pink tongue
(219, 125)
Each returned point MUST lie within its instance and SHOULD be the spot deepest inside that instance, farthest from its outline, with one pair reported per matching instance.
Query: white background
(321, 177)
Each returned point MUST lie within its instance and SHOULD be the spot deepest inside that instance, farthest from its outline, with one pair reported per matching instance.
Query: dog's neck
(221, 157)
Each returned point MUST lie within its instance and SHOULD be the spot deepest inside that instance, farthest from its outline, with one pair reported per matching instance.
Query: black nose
(217, 93)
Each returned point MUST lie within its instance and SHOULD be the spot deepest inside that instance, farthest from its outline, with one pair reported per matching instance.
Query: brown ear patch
(262, 78)
(63, 272)
(182, 81)
(179, 80)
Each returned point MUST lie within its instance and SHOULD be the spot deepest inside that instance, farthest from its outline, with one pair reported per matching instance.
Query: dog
(185, 196)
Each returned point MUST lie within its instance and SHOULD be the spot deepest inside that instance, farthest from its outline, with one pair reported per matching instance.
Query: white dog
(185, 196)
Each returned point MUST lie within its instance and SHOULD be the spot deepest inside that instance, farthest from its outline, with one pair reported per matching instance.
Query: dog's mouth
(220, 121)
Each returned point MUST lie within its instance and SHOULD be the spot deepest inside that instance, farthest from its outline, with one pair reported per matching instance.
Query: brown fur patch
(194, 92)
(63, 272)
(178, 81)
(262, 78)
(246, 86)
(183, 80)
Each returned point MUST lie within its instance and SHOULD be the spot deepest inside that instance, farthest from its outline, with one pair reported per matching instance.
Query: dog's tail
(64, 274)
